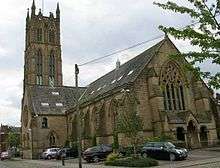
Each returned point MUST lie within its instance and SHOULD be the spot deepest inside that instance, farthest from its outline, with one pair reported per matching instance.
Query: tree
(128, 121)
(13, 139)
(206, 36)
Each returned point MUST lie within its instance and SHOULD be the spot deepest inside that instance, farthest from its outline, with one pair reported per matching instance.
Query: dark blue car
(164, 151)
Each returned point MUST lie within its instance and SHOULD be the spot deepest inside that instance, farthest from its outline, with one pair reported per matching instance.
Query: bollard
(63, 161)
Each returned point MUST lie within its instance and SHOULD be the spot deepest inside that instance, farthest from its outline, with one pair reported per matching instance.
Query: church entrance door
(192, 135)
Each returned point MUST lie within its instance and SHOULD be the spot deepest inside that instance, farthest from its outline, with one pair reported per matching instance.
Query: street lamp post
(78, 116)
(30, 131)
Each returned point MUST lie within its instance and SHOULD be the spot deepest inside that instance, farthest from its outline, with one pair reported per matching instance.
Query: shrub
(129, 150)
(133, 162)
(161, 138)
(112, 157)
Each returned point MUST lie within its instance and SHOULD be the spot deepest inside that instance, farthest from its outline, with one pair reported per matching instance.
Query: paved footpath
(207, 163)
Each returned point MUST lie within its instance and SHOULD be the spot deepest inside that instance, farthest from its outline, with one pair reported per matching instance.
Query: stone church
(169, 99)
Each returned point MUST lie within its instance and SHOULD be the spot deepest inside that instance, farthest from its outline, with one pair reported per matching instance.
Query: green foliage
(67, 143)
(13, 139)
(115, 144)
(206, 36)
(133, 162)
(94, 143)
(112, 157)
(129, 150)
(162, 138)
(130, 123)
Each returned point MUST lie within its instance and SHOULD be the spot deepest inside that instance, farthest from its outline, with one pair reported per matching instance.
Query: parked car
(163, 150)
(97, 153)
(67, 153)
(5, 155)
(50, 153)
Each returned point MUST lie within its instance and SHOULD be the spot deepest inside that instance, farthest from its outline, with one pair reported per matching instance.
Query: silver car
(50, 153)
(5, 155)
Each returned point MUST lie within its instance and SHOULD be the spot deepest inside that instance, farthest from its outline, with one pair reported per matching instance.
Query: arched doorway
(203, 136)
(192, 135)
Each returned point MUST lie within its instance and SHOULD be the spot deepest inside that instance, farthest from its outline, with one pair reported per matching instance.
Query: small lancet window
(45, 123)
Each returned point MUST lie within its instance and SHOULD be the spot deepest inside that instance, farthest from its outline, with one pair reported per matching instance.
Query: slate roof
(54, 101)
(126, 74)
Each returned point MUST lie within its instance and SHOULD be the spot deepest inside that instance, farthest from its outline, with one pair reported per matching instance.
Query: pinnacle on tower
(33, 8)
(118, 64)
(40, 13)
(58, 11)
(27, 18)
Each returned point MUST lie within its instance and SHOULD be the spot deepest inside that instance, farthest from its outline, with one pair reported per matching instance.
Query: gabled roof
(47, 100)
(126, 74)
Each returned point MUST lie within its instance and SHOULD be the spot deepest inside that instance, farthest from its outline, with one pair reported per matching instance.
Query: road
(205, 158)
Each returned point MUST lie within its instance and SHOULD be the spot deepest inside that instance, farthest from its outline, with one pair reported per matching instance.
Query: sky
(89, 29)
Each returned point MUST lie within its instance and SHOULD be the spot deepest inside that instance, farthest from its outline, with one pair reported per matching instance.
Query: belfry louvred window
(39, 68)
(51, 36)
(39, 34)
(173, 88)
(51, 69)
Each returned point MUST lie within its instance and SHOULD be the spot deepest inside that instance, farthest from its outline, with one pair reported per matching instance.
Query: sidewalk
(190, 163)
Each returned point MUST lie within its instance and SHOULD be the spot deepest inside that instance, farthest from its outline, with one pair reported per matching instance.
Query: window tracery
(173, 88)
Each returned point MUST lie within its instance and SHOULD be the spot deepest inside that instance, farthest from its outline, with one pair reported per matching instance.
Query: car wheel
(144, 155)
(96, 159)
(172, 157)
(49, 157)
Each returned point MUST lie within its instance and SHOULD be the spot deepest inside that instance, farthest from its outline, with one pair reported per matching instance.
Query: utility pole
(42, 6)
(78, 117)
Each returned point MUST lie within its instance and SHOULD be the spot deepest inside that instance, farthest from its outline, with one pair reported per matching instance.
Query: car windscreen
(93, 149)
(169, 145)
(148, 145)
(158, 145)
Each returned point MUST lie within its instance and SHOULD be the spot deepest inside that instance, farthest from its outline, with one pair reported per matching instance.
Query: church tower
(43, 63)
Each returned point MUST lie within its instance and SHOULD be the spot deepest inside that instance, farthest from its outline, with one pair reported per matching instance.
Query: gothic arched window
(52, 140)
(44, 123)
(87, 125)
(173, 88)
(51, 36)
(39, 67)
(51, 69)
(39, 34)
